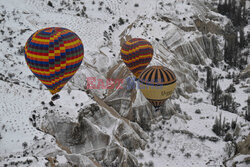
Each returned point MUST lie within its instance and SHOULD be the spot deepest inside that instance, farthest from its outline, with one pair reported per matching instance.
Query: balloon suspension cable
(55, 97)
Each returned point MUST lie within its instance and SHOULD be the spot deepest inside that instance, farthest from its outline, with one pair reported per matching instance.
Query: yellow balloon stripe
(39, 71)
(131, 43)
(33, 56)
(136, 49)
(73, 43)
(38, 40)
(74, 60)
(139, 65)
(138, 58)
(58, 79)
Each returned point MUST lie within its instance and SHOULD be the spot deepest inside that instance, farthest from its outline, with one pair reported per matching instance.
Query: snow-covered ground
(174, 142)
(178, 142)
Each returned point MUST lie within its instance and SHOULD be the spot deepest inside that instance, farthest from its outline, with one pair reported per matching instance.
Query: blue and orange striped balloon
(54, 55)
(137, 54)
(157, 83)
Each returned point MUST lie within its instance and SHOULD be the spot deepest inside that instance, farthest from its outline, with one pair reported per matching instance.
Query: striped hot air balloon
(157, 83)
(137, 54)
(54, 55)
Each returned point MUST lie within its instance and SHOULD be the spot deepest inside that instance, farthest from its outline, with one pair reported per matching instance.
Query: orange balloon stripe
(137, 58)
(146, 46)
(139, 65)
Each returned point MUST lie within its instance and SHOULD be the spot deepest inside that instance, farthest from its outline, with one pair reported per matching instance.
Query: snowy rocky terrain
(118, 127)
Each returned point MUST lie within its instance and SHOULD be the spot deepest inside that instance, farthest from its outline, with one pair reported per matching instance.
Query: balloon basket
(157, 109)
(55, 97)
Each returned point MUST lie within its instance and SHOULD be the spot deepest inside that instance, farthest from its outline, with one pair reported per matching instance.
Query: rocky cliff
(113, 127)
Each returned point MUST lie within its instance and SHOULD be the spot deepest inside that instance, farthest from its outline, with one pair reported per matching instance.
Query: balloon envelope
(54, 55)
(137, 54)
(157, 83)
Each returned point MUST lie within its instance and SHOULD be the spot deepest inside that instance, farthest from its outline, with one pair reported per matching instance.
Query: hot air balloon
(137, 54)
(54, 55)
(157, 83)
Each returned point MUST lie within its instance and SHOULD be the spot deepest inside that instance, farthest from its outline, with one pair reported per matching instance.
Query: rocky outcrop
(245, 73)
(72, 160)
(196, 51)
(244, 146)
(99, 134)
(242, 157)
(132, 105)
(179, 45)
(209, 27)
